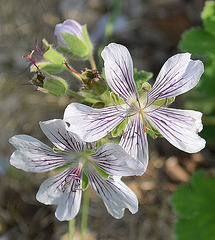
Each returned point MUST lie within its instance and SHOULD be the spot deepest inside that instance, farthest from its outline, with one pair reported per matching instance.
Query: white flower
(79, 167)
(178, 75)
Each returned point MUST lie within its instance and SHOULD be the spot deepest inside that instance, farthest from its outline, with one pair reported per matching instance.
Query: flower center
(73, 178)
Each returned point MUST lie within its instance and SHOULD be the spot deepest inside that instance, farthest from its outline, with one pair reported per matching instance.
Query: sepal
(140, 77)
(55, 85)
(75, 46)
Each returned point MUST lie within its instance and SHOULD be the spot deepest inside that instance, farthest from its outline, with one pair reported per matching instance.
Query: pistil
(73, 178)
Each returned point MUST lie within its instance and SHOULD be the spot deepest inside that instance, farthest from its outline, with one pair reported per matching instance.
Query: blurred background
(151, 30)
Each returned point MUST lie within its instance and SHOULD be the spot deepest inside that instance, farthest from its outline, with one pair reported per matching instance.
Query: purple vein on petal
(107, 161)
(72, 145)
(103, 186)
(134, 142)
(46, 159)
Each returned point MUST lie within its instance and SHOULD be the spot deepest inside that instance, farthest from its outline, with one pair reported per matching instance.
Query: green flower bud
(55, 85)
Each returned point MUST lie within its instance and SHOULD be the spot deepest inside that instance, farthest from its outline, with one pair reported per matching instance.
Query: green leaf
(85, 181)
(208, 133)
(56, 86)
(101, 172)
(164, 102)
(76, 47)
(198, 42)
(116, 99)
(194, 204)
(207, 82)
(118, 130)
(208, 16)
(153, 132)
(198, 100)
(141, 77)
(98, 105)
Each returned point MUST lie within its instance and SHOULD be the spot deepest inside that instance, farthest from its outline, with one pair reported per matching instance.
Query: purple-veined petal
(69, 26)
(115, 194)
(178, 75)
(34, 156)
(113, 159)
(52, 191)
(57, 133)
(134, 140)
(119, 70)
(179, 127)
(91, 124)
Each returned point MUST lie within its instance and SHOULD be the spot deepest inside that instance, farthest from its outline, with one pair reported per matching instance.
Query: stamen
(131, 114)
(147, 97)
(75, 179)
(148, 125)
(131, 106)
(144, 127)
(153, 101)
(155, 109)
(155, 136)
(138, 102)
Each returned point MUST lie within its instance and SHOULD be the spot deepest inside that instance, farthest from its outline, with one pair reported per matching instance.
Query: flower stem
(84, 218)
(77, 95)
(72, 229)
(75, 74)
(92, 62)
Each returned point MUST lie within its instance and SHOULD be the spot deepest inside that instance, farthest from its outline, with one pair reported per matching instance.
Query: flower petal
(69, 26)
(56, 131)
(179, 127)
(119, 70)
(34, 156)
(115, 194)
(91, 124)
(134, 140)
(68, 199)
(178, 75)
(115, 161)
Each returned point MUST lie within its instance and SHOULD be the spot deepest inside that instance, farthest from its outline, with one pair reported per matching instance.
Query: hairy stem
(92, 62)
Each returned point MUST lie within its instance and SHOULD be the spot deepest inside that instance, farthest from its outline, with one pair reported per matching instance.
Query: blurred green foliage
(140, 77)
(194, 205)
(200, 41)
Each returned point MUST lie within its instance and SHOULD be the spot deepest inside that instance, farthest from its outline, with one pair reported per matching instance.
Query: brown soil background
(152, 33)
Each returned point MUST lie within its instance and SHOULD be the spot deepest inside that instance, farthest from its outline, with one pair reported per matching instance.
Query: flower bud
(55, 85)
(93, 81)
(69, 26)
(73, 39)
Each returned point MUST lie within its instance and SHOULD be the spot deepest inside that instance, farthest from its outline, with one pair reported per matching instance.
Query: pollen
(73, 179)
